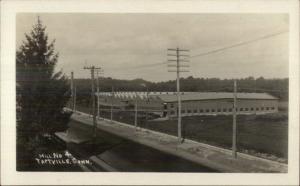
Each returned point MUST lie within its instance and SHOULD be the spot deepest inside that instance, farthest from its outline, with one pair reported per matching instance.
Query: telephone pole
(74, 108)
(111, 104)
(255, 92)
(99, 72)
(135, 111)
(92, 70)
(234, 128)
(147, 103)
(178, 66)
(72, 91)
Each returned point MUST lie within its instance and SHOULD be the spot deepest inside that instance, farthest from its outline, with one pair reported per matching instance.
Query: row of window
(223, 110)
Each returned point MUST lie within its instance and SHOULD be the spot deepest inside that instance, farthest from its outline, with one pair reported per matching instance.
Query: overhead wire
(239, 44)
(214, 51)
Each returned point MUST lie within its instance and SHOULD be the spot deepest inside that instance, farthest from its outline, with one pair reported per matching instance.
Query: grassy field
(261, 135)
(255, 135)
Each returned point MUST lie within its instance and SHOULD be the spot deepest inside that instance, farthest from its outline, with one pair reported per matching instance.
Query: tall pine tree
(41, 92)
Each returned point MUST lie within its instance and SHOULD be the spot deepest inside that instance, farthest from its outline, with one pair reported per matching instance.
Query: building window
(252, 109)
(207, 110)
(262, 108)
(183, 111)
(219, 110)
(273, 108)
(224, 110)
(195, 111)
(189, 111)
(230, 110)
(241, 109)
(201, 110)
(257, 108)
(246, 109)
(172, 112)
(172, 105)
(267, 108)
(212, 110)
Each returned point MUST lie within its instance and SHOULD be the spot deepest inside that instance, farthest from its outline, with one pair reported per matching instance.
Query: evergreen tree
(41, 93)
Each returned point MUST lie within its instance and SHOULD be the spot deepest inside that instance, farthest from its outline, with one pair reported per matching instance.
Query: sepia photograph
(153, 92)
(182, 93)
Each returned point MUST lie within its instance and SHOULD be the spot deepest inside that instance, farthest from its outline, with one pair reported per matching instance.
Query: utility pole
(98, 96)
(111, 104)
(178, 67)
(135, 110)
(234, 128)
(74, 108)
(72, 91)
(147, 103)
(147, 110)
(255, 92)
(92, 69)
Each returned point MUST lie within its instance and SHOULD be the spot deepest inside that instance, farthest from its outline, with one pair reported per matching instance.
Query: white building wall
(223, 106)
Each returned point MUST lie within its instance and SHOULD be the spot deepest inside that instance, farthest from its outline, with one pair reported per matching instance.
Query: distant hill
(276, 87)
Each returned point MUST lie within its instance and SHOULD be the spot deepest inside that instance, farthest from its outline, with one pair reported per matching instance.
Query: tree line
(277, 87)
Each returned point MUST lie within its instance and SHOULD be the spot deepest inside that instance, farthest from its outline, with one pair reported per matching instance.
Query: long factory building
(165, 104)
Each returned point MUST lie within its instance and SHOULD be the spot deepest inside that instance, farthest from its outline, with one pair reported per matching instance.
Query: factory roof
(191, 96)
(188, 96)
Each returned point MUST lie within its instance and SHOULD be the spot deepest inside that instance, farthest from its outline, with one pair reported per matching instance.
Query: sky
(126, 46)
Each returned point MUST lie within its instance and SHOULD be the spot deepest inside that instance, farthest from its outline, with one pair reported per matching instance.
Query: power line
(239, 44)
(216, 50)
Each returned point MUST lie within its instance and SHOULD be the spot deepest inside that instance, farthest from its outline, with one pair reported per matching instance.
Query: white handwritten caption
(60, 159)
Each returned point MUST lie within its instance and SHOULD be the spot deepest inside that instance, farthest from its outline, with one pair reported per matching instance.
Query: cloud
(121, 42)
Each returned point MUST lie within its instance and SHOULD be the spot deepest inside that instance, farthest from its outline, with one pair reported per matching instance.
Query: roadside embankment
(206, 155)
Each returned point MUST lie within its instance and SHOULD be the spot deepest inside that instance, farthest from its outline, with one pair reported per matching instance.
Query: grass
(253, 136)
(262, 135)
